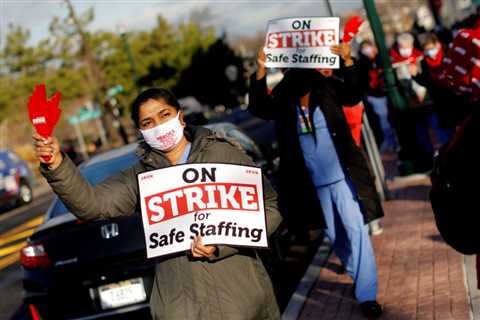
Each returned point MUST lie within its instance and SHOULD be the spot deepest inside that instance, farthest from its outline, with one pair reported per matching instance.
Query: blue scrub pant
(442, 134)
(349, 236)
(380, 107)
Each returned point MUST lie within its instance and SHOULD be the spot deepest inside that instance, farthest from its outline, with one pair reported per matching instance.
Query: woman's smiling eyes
(150, 123)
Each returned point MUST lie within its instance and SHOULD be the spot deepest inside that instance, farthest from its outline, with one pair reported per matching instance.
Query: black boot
(371, 309)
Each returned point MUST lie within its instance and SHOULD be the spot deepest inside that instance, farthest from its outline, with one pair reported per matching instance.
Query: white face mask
(367, 51)
(165, 136)
(405, 52)
(432, 53)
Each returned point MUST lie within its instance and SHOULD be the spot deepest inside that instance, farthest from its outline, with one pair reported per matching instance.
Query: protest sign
(222, 203)
(302, 43)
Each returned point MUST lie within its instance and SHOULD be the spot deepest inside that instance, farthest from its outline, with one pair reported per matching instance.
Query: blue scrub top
(183, 159)
(321, 158)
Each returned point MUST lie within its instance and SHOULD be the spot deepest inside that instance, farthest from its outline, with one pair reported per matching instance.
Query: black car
(85, 270)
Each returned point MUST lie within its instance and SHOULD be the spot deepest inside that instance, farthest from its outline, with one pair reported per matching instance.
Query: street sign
(84, 114)
(113, 91)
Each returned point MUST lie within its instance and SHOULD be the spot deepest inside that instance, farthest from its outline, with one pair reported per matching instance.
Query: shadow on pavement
(436, 237)
(409, 192)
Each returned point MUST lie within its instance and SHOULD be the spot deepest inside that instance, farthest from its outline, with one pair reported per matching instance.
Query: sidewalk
(420, 277)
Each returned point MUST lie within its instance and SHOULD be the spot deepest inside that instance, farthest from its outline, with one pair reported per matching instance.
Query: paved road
(15, 227)
(10, 219)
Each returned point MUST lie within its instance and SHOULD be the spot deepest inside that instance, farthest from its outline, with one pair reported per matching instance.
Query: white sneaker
(374, 228)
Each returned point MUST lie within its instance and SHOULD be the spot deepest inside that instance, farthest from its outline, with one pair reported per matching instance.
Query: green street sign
(113, 91)
(73, 120)
(84, 114)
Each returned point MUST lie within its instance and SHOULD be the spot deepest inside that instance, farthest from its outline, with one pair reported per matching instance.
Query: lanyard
(304, 120)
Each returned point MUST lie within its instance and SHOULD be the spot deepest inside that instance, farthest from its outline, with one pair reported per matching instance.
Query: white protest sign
(222, 203)
(302, 43)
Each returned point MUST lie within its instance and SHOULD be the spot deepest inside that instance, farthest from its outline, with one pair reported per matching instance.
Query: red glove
(351, 28)
(44, 114)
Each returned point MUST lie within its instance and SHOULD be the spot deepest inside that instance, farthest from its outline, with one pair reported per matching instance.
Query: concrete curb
(295, 305)
(470, 276)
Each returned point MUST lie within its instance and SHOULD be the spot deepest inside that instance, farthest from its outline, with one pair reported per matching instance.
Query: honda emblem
(109, 231)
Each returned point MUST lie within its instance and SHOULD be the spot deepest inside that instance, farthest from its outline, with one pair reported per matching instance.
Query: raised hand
(261, 70)
(344, 50)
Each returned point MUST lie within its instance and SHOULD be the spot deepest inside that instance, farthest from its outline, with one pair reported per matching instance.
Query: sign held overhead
(302, 43)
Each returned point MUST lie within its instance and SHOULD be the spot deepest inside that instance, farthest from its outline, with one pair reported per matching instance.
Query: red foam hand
(44, 114)
(351, 28)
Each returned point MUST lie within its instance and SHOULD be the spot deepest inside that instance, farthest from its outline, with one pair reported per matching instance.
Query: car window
(95, 174)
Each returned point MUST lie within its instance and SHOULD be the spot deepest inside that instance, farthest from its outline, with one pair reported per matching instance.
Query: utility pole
(329, 8)
(81, 141)
(403, 122)
(395, 98)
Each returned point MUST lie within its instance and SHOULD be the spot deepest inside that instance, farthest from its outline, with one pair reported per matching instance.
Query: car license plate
(122, 293)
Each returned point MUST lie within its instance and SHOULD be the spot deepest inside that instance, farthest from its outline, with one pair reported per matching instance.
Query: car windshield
(96, 173)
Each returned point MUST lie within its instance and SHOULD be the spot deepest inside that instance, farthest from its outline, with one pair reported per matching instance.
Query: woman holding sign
(325, 180)
(209, 281)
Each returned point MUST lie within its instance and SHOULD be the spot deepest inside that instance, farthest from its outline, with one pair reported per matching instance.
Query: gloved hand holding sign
(44, 115)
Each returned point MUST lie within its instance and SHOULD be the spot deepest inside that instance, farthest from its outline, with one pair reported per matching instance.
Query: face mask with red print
(165, 136)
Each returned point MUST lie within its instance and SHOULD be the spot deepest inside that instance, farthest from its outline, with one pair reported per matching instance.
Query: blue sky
(237, 17)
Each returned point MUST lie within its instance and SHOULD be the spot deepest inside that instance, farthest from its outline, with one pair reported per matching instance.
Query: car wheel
(25, 194)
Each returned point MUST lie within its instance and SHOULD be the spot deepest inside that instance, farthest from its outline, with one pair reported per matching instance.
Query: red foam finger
(55, 100)
(44, 114)
(352, 26)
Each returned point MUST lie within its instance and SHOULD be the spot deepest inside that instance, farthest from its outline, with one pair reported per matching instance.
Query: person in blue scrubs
(325, 178)
(346, 229)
